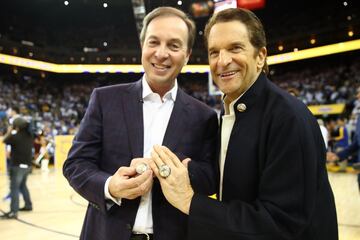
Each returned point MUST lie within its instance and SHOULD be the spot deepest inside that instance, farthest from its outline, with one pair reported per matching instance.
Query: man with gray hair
(272, 182)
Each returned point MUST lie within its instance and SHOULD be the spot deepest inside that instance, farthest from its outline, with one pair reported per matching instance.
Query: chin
(162, 80)
(225, 89)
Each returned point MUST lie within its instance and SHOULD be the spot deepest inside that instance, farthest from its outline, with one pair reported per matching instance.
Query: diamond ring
(141, 168)
(164, 170)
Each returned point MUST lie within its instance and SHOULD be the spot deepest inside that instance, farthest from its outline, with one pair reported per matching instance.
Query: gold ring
(164, 170)
(141, 168)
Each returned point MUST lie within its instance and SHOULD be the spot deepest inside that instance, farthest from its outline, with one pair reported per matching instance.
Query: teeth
(161, 67)
(227, 74)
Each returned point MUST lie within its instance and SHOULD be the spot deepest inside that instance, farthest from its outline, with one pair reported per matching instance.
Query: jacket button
(241, 107)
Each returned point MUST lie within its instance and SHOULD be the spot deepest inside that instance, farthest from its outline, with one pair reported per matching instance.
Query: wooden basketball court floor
(58, 211)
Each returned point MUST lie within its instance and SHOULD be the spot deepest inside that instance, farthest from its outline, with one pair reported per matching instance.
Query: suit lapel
(218, 149)
(133, 111)
(177, 121)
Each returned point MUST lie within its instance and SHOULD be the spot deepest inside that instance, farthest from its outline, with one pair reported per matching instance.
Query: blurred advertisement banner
(251, 4)
(224, 4)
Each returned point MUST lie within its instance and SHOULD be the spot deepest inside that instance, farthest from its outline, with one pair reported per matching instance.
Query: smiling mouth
(160, 67)
(227, 74)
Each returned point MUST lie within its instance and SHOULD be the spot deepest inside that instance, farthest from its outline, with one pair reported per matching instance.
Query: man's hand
(331, 157)
(137, 161)
(10, 128)
(176, 187)
(125, 183)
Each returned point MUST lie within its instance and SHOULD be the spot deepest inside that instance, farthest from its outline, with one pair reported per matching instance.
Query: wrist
(186, 204)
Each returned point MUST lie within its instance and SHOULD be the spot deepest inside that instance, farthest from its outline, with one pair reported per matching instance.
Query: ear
(261, 58)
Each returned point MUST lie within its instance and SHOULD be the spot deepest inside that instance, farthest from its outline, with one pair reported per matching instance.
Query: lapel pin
(241, 107)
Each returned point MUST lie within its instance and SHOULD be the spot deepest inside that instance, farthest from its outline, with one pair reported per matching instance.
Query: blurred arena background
(54, 52)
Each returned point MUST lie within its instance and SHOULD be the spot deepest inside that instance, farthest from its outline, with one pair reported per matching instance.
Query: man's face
(234, 62)
(164, 51)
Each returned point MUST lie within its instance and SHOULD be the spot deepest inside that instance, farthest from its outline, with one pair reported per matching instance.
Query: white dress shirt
(156, 114)
(228, 120)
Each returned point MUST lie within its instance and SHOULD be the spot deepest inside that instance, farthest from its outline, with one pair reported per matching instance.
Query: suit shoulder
(199, 105)
(286, 104)
(113, 88)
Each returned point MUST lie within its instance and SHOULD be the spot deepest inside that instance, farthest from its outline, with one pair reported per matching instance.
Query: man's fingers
(126, 171)
(156, 158)
(330, 156)
(135, 182)
(155, 169)
(146, 186)
(167, 156)
(136, 161)
(175, 160)
(141, 188)
(160, 151)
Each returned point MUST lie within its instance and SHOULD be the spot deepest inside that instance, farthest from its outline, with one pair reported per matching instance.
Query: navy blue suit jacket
(275, 184)
(111, 135)
(354, 147)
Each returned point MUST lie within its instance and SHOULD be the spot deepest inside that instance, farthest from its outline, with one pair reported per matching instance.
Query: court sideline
(59, 211)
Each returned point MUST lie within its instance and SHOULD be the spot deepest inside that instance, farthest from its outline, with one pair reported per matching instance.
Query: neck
(161, 89)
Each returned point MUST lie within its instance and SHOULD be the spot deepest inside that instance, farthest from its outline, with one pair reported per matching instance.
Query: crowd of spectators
(54, 109)
(57, 107)
(324, 84)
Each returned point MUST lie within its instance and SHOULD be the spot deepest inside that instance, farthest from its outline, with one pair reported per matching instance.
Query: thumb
(126, 171)
(186, 161)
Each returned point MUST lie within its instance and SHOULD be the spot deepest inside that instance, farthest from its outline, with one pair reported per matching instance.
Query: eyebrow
(152, 37)
(237, 43)
(211, 49)
(171, 40)
(176, 40)
(232, 44)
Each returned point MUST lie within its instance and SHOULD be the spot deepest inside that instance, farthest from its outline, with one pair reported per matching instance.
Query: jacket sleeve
(349, 150)
(202, 171)
(287, 189)
(8, 139)
(81, 167)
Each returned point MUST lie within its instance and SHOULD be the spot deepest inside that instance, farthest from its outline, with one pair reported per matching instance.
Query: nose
(161, 52)
(224, 58)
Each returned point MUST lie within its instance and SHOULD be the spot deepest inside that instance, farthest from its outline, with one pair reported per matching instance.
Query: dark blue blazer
(275, 184)
(354, 147)
(111, 134)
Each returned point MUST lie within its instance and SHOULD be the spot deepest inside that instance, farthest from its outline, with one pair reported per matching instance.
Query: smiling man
(108, 163)
(273, 183)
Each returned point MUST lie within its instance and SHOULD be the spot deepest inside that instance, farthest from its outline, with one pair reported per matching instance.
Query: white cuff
(108, 195)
